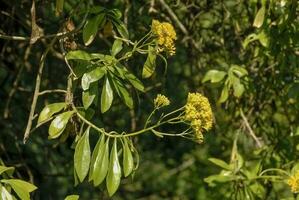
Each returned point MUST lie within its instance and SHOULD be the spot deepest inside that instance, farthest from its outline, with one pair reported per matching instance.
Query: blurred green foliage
(243, 55)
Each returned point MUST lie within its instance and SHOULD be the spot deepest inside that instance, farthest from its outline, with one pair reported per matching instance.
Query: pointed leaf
(128, 162)
(92, 76)
(220, 163)
(134, 81)
(8, 170)
(91, 28)
(238, 89)
(83, 55)
(121, 28)
(238, 70)
(98, 148)
(82, 156)
(123, 92)
(4, 194)
(107, 96)
(224, 94)
(259, 18)
(150, 63)
(22, 188)
(90, 95)
(116, 47)
(116, 13)
(114, 171)
(101, 161)
(58, 125)
(49, 111)
(72, 197)
(214, 76)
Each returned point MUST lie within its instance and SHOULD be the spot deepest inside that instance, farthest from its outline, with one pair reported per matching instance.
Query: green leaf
(82, 156)
(90, 95)
(220, 163)
(114, 171)
(121, 28)
(222, 178)
(150, 63)
(8, 170)
(92, 76)
(107, 96)
(116, 47)
(58, 125)
(214, 76)
(115, 13)
(91, 28)
(134, 81)
(250, 38)
(5, 195)
(100, 161)
(22, 188)
(224, 94)
(98, 147)
(122, 92)
(72, 197)
(239, 71)
(59, 6)
(128, 162)
(238, 89)
(259, 18)
(263, 38)
(83, 55)
(49, 111)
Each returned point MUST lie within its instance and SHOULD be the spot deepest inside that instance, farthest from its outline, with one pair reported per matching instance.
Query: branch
(51, 91)
(36, 90)
(174, 17)
(252, 134)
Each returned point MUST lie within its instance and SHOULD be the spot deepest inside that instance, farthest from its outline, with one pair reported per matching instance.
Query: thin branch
(18, 38)
(173, 16)
(52, 91)
(36, 90)
(252, 134)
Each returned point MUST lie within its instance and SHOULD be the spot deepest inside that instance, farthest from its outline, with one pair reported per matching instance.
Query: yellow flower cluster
(293, 182)
(161, 101)
(166, 35)
(199, 113)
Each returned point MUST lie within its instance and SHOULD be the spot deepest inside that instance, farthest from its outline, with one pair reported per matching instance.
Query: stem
(251, 132)
(186, 132)
(274, 169)
(149, 117)
(101, 130)
(51, 91)
(171, 113)
(36, 90)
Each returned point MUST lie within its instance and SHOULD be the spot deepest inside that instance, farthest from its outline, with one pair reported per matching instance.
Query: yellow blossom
(161, 101)
(166, 35)
(293, 182)
(199, 113)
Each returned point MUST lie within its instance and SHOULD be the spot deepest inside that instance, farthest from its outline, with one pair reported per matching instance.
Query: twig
(36, 90)
(252, 134)
(51, 91)
(174, 17)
